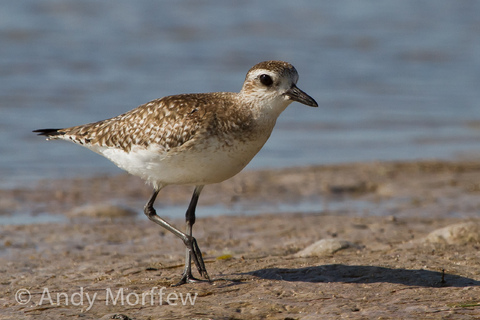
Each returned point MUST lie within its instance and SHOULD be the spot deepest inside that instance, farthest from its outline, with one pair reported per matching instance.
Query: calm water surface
(394, 79)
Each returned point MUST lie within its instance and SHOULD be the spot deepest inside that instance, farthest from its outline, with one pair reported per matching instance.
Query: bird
(192, 139)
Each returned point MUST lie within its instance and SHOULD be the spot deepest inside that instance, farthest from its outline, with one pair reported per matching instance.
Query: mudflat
(380, 240)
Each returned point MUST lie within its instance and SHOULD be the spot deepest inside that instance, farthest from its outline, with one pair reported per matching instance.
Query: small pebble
(324, 247)
(460, 233)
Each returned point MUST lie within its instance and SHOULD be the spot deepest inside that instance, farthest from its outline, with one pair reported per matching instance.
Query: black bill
(298, 95)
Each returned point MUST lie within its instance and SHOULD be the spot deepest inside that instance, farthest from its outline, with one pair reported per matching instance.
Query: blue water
(394, 80)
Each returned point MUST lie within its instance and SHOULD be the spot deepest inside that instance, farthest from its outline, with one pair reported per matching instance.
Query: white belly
(211, 162)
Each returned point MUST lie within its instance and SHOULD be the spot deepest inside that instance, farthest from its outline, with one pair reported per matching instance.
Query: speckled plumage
(193, 139)
(169, 122)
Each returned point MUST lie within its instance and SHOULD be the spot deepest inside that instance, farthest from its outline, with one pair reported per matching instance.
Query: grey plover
(193, 139)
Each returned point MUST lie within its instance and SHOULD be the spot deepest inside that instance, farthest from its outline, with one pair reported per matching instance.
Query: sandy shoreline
(392, 266)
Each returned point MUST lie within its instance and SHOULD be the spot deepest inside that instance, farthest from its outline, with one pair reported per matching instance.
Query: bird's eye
(266, 80)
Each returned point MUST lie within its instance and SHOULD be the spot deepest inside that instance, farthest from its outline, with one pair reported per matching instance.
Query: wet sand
(402, 241)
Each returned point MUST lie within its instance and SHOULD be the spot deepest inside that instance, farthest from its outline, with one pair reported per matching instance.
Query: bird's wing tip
(48, 132)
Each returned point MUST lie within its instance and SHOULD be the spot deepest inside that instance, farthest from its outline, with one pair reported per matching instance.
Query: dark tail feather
(49, 132)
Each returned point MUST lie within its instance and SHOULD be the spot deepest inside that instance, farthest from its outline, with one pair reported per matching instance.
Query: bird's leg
(193, 251)
(190, 242)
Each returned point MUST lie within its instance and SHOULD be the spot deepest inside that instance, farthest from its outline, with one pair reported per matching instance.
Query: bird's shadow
(366, 274)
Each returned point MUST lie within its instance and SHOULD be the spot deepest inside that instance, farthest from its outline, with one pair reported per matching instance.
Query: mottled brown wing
(168, 122)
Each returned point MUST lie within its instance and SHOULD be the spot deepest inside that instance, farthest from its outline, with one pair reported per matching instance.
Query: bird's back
(168, 122)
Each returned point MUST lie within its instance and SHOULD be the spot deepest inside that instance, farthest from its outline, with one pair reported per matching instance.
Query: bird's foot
(195, 252)
(187, 277)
